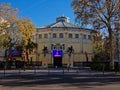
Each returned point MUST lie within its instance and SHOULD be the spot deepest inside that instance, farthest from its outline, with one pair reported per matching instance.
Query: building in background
(63, 43)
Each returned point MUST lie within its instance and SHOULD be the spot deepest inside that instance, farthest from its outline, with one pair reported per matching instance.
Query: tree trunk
(111, 49)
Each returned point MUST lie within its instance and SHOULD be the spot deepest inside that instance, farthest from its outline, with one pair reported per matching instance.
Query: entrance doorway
(57, 61)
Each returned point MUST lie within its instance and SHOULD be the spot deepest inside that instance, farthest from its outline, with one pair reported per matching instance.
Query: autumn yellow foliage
(27, 29)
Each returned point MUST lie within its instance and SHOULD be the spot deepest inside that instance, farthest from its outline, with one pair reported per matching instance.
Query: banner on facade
(57, 53)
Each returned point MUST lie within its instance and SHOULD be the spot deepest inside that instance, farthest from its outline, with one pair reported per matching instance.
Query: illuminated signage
(14, 53)
(57, 53)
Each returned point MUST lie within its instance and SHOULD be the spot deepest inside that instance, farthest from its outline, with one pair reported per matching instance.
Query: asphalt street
(59, 80)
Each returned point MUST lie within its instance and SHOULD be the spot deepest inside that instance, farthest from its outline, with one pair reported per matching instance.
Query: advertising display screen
(57, 53)
(14, 53)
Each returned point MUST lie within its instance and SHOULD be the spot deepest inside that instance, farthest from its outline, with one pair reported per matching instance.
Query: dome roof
(61, 22)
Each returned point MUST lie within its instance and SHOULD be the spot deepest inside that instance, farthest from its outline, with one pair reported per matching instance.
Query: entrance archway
(57, 61)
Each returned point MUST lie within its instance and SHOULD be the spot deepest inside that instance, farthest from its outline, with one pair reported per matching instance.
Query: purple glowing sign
(57, 53)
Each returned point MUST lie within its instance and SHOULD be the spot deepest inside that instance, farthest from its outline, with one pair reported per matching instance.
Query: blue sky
(43, 12)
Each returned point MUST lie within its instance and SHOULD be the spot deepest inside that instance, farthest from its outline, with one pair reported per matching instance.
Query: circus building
(64, 44)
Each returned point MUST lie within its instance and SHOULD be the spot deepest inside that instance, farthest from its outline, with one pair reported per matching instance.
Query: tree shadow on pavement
(84, 81)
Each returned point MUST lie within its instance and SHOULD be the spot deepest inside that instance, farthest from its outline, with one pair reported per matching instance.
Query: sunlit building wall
(62, 35)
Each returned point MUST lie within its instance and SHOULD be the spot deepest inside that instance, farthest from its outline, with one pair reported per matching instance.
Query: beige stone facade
(60, 36)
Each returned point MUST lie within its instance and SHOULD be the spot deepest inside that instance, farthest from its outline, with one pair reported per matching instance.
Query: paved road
(57, 80)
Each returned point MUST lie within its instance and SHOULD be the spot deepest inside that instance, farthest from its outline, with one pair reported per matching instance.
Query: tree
(8, 19)
(15, 32)
(98, 43)
(100, 14)
(70, 50)
(27, 30)
(99, 49)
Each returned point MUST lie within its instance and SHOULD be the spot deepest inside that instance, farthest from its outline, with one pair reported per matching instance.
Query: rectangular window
(40, 35)
(61, 35)
(45, 35)
(70, 35)
(84, 36)
(93, 37)
(54, 35)
(76, 35)
(52, 46)
(63, 46)
(89, 37)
